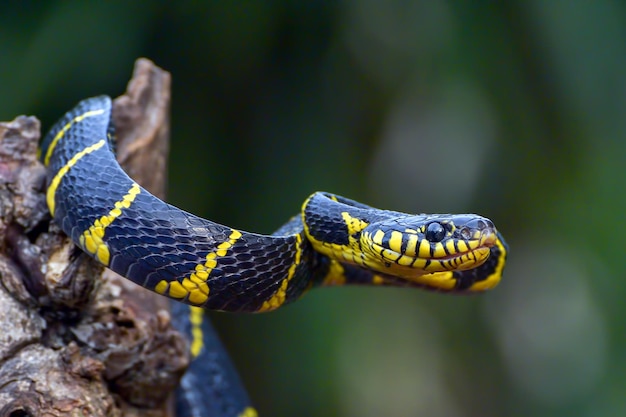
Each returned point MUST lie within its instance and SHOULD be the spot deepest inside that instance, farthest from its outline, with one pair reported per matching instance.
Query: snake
(206, 265)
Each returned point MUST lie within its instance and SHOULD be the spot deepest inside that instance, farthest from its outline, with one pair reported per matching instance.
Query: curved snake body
(334, 241)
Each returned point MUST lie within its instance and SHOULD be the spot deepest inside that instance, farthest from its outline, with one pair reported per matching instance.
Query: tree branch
(77, 337)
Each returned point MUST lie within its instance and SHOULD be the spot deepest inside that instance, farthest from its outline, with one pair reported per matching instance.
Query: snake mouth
(478, 251)
(463, 261)
(419, 257)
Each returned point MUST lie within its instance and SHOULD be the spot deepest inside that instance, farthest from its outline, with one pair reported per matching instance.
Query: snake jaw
(455, 243)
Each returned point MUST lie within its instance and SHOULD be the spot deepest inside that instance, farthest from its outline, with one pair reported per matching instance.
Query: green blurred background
(514, 110)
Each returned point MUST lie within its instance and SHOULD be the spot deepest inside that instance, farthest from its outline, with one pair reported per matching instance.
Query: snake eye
(435, 232)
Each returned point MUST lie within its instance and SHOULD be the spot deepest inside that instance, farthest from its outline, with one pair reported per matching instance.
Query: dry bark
(78, 340)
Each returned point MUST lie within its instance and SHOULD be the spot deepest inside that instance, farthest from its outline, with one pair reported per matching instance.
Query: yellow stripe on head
(421, 248)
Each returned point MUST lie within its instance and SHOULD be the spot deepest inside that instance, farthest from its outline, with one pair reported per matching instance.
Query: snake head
(409, 246)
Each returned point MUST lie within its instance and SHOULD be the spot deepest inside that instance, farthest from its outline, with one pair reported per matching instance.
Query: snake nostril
(481, 224)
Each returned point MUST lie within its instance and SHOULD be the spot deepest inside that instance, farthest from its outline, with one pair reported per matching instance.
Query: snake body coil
(190, 259)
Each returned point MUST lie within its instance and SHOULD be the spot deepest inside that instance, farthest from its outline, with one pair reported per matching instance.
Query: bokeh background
(513, 109)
